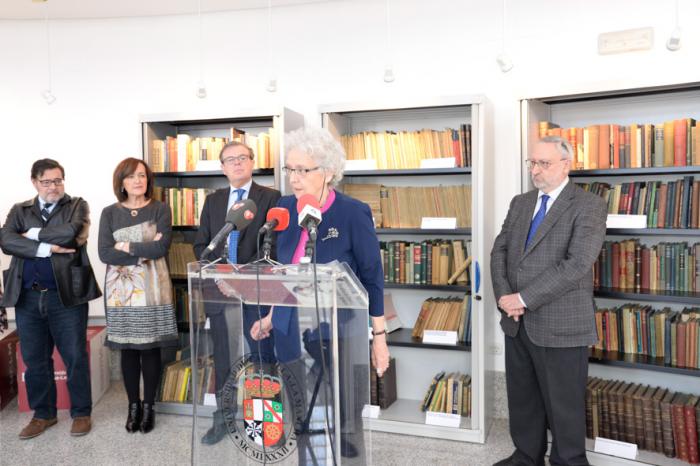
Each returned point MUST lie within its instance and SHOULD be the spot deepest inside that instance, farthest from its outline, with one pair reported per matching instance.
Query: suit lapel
(558, 208)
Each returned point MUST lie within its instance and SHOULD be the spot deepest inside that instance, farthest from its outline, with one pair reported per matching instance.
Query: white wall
(108, 72)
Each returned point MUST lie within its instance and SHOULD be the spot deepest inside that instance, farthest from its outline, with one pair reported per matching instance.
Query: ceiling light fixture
(201, 88)
(388, 69)
(674, 41)
(503, 59)
(47, 94)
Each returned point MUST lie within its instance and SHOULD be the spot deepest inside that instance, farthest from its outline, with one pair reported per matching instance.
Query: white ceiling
(81, 9)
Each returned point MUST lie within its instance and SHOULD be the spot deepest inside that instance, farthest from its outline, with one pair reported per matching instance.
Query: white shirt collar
(554, 194)
(245, 187)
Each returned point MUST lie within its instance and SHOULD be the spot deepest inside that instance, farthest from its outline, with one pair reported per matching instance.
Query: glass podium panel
(280, 369)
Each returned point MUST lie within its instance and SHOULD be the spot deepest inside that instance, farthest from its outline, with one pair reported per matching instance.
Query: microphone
(277, 220)
(239, 216)
(309, 214)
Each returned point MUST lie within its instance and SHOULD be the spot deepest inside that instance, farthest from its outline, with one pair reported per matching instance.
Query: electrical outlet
(495, 348)
(625, 41)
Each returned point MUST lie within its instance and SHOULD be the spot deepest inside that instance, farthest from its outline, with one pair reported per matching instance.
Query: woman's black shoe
(149, 418)
(133, 421)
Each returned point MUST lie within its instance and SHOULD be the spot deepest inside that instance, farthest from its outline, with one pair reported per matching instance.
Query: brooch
(332, 233)
(134, 213)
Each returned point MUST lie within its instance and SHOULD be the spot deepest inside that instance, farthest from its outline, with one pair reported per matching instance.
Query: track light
(674, 42)
(271, 85)
(201, 90)
(504, 62)
(389, 75)
(48, 96)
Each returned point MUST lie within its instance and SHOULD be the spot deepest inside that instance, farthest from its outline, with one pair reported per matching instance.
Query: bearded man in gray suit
(542, 274)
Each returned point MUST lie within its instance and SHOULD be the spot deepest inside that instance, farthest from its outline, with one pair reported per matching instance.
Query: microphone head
(242, 213)
(281, 215)
(307, 199)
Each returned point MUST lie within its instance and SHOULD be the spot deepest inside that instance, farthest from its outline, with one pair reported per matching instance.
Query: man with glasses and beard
(49, 283)
(542, 274)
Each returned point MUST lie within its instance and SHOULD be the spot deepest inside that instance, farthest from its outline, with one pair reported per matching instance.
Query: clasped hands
(512, 306)
(124, 245)
(55, 248)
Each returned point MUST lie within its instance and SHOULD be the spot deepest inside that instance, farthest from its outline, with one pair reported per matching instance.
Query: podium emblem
(262, 415)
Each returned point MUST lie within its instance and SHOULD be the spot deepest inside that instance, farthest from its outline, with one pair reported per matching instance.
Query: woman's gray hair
(321, 146)
(562, 145)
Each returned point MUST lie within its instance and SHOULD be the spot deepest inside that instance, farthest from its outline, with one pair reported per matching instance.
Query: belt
(38, 287)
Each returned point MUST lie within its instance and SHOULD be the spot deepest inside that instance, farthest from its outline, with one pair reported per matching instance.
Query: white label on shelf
(208, 165)
(438, 223)
(371, 411)
(442, 419)
(626, 221)
(616, 448)
(440, 337)
(361, 164)
(209, 399)
(443, 162)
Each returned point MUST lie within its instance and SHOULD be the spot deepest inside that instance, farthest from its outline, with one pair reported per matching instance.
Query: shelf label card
(442, 419)
(443, 162)
(208, 166)
(440, 337)
(209, 399)
(371, 411)
(438, 223)
(360, 164)
(616, 448)
(626, 221)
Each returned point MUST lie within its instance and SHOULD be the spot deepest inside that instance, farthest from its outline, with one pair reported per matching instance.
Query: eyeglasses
(300, 172)
(55, 182)
(235, 160)
(542, 164)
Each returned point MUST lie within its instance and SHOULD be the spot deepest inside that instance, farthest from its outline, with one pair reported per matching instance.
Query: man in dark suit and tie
(237, 162)
(542, 273)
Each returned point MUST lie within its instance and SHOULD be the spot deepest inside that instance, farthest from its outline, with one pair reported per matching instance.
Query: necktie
(539, 216)
(45, 211)
(233, 236)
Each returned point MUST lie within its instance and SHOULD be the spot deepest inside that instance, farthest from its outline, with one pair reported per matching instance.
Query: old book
(648, 418)
(678, 422)
(669, 445)
(691, 429)
(639, 415)
(386, 385)
(659, 395)
(431, 390)
(628, 403)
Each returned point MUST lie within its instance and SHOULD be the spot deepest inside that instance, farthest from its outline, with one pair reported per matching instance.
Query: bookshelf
(415, 361)
(650, 105)
(273, 122)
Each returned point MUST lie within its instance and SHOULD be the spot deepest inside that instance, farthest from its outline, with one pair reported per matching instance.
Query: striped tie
(233, 236)
(45, 211)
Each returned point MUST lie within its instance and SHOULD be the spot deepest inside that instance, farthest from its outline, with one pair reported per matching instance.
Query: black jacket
(67, 226)
(214, 216)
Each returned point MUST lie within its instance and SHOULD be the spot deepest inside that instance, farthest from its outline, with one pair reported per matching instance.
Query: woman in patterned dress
(135, 234)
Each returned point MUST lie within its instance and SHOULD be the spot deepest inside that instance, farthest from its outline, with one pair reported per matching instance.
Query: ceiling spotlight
(271, 85)
(674, 42)
(389, 75)
(201, 90)
(504, 62)
(48, 96)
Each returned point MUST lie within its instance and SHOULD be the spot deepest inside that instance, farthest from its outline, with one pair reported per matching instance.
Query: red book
(679, 142)
(680, 438)
(691, 429)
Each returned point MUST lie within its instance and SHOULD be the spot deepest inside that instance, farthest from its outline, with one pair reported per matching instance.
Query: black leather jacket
(68, 227)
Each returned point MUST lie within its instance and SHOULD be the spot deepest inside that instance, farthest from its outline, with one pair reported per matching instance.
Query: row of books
(674, 204)
(445, 314)
(179, 255)
(655, 419)
(382, 390)
(186, 204)
(182, 153)
(667, 144)
(664, 334)
(406, 149)
(629, 265)
(430, 262)
(177, 377)
(449, 393)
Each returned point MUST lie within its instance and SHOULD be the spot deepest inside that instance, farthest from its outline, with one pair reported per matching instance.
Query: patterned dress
(138, 291)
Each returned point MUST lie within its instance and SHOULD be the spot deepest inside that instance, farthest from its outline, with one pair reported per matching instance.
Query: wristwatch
(383, 332)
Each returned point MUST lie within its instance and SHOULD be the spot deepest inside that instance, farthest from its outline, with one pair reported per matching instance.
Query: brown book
(661, 218)
(612, 407)
(639, 415)
(648, 418)
(658, 430)
(691, 429)
(678, 420)
(695, 202)
(628, 400)
(386, 385)
(620, 410)
(589, 406)
(604, 401)
(669, 444)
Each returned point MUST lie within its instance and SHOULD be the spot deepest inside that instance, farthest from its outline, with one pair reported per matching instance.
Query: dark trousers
(546, 390)
(43, 322)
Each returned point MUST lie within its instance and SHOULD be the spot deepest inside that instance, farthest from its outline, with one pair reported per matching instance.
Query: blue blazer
(353, 241)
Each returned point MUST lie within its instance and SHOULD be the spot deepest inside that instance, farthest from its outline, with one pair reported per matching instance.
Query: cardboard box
(98, 354)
